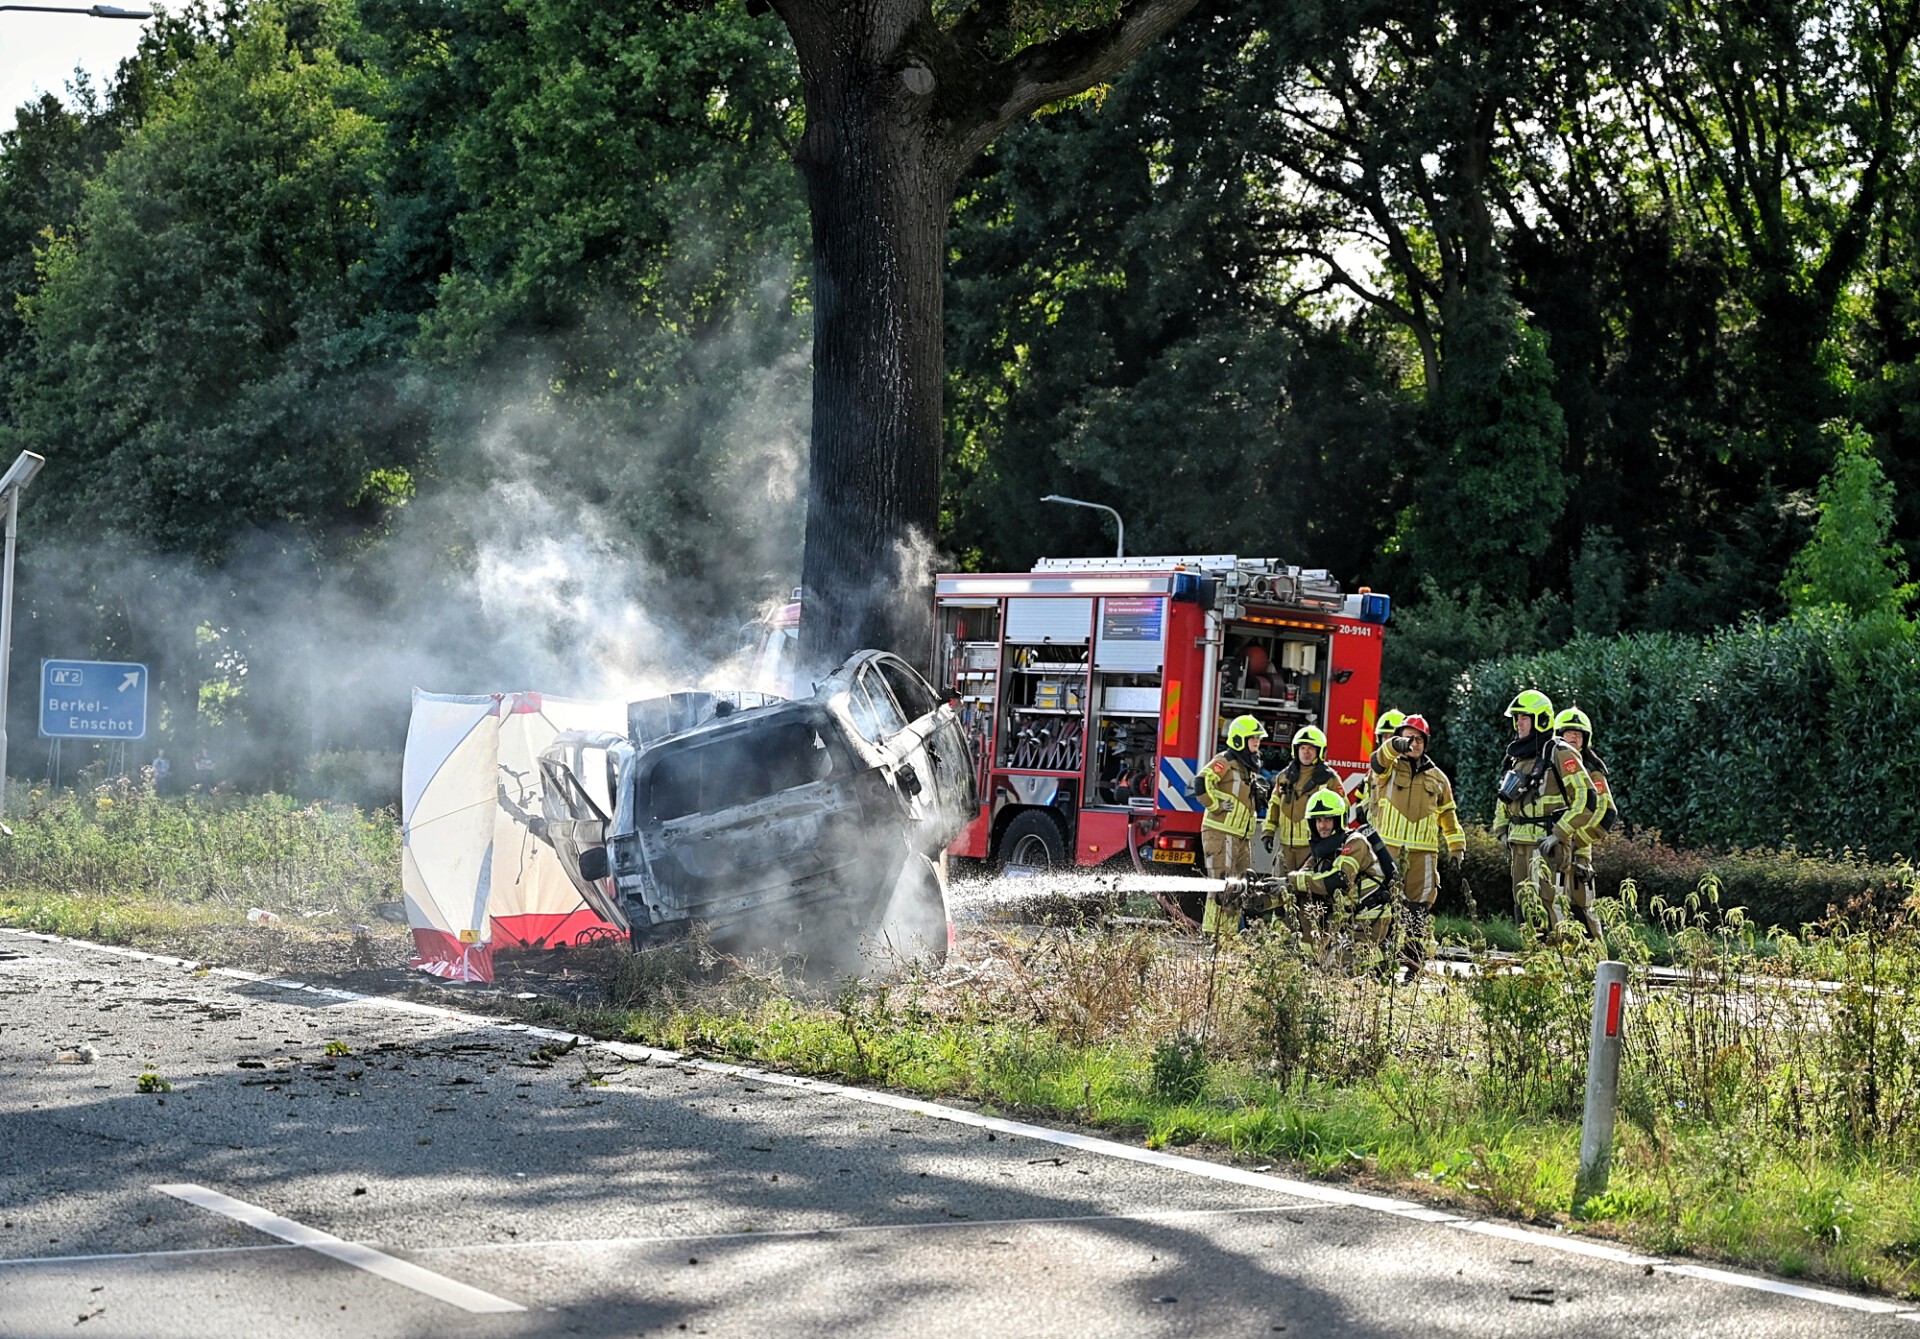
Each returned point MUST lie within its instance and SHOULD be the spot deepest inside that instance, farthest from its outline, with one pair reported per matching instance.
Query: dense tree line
(1548, 318)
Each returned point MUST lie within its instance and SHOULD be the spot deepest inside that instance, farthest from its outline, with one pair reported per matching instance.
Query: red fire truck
(1093, 691)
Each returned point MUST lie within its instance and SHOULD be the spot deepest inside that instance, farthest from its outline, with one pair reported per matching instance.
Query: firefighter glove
(1399, 744)
(1456, 860)
(1266, 840)
(1548, 845)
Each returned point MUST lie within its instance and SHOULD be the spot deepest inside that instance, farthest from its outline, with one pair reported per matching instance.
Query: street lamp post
(1120, 526)
(18, 476)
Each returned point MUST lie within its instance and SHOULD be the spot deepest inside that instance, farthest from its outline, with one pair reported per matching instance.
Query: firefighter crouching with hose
(1297, 782)
(1342, 874)
(1544, 798)
(1415, 812)
(1576, 731)
(1230, 786)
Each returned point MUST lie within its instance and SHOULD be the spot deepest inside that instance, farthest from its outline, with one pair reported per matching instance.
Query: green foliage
(222, 240)
(1761, 735)
(1436, 635)
(1849, 565)
(151, 1082)
(120, 842)
(1762, 1121)
(364, 779)
(1179, 1072)
(1492, 493)
(1115, 334)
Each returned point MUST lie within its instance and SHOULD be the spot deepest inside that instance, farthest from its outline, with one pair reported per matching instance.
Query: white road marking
(28, 1261)
(1572, 1245)
(1327, 1195)
(1758, 1284)
(437, 1286)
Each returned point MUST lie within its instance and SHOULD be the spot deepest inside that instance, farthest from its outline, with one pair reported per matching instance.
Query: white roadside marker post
(1603, 1081)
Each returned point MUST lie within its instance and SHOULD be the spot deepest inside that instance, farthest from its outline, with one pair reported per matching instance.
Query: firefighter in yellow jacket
(1298, 781)
(1383, 729)
(1544, 798)
(1576, 731)
(1342, 876)
(1229, 790)
(1415, 815)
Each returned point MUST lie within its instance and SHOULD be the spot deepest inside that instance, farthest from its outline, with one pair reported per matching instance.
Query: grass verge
(1766, 1121)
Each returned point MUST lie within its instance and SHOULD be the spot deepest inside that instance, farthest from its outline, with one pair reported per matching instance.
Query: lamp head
(21, 472)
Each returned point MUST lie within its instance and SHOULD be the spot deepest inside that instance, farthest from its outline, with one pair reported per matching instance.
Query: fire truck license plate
(1174, 857)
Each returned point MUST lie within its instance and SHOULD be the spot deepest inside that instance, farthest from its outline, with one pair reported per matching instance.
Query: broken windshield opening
(874, 714)
(740, 769)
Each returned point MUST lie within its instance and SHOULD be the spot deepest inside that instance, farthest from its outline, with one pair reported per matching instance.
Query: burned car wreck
(797, 826)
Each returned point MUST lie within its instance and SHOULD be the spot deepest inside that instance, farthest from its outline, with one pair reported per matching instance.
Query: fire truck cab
(1093, 690)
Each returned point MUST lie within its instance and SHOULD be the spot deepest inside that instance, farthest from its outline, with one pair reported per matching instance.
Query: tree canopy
(448, 319)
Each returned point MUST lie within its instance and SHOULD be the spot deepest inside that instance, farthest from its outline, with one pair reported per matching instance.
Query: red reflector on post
(1613, 1008)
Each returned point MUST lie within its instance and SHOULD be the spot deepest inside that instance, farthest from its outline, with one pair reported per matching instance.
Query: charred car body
(797, 825)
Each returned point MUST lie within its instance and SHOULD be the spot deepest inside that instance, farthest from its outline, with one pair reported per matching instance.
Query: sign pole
(6, 642)
(1603, 1080)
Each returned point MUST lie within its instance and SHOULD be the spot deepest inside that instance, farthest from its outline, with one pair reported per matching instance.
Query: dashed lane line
(1306, 1190)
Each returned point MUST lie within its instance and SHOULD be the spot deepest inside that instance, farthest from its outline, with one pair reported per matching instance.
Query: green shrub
(1788, 889)
(1790, 735)
(120, 841)
(366, 779)
(1179, 1071)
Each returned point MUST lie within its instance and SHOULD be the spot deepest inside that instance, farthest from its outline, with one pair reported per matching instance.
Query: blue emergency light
(1375, 608)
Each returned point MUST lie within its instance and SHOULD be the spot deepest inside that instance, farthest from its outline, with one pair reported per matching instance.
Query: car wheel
(915, 924)
(1033, 840)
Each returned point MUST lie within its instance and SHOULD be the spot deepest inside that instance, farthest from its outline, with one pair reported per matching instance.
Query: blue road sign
(93, 699)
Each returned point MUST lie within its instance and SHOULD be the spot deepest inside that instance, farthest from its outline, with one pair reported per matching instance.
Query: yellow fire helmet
(1574, 719)
(1310, 734)
(1326, 804)
(1242, 731)
(1532, 702)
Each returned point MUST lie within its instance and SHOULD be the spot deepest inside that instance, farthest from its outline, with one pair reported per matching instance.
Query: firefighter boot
(1581, 884)
(1416, 939)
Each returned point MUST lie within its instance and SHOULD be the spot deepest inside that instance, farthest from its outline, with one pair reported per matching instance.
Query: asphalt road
(447, 1175)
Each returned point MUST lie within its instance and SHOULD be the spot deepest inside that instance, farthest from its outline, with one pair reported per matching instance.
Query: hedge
(1801, 735)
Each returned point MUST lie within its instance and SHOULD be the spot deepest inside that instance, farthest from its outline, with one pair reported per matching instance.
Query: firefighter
(1543, 799)
(1230, 785)
(1286, 818)
(1576, 731)
(1342, 873)
(1383, 729)
(1415, 814)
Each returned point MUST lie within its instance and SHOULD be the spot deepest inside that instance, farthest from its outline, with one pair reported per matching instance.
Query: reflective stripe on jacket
(1287, 810)
(1416, 807)
(1589, 831)
(1355, 871)
(1562, 801)
(1226, 785)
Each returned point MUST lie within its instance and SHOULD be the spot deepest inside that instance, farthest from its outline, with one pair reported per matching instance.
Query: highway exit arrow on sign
(93, 699)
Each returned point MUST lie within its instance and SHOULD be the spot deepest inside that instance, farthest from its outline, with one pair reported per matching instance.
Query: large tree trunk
(879, 182)
(898, 102)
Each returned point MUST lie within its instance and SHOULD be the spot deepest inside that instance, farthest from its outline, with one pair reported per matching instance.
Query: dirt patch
(373, 961)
